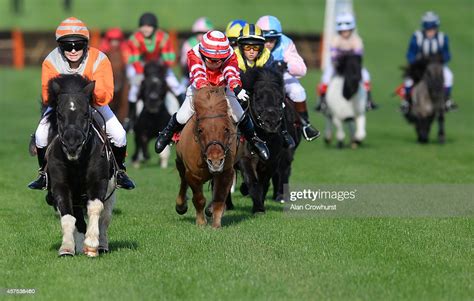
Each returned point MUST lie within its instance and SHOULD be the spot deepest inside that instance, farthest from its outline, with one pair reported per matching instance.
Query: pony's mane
(416, 70)
(210, 100)
(257, 75)
(69, 83)
(154, 68)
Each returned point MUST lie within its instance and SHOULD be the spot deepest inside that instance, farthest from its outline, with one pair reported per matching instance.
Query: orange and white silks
(95, 66)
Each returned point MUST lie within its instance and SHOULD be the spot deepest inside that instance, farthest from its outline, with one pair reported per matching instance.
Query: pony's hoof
(66, 253)
(340, 145)
(91, 252)
(327, 141)
(244, 189)
(181, 209)
(208, 211)
(258, 212)
(136, 164)
(103, 250)
(355, 144)
(442, 139)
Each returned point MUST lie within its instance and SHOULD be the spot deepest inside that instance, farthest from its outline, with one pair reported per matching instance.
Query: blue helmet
(271, 26)
(430, 20)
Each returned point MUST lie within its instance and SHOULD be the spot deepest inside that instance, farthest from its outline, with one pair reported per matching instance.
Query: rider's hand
(241, 94)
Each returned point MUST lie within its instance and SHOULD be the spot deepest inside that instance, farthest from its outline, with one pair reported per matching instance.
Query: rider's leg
(448, 84)
(371, 105)
(297, 94)
(176, 122)
(175, 86)
(135, 82)
(118, 138)
(405, 107)
(246, 126)
(41, 140)
(323, 86)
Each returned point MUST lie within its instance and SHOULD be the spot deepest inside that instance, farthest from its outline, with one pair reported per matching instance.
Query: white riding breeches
(187, 109)
(293, 88)
(447, 74)
(114, 129)
(135, 82)
(329, 72)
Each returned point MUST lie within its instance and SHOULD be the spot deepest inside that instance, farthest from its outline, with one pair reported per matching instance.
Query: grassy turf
(157, 254)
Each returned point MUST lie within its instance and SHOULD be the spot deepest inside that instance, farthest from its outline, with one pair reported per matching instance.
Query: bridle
(258, 117)
(197, 136)
(85, 134)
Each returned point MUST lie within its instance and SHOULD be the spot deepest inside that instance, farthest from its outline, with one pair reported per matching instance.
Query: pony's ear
(56, 87)
(89, 88)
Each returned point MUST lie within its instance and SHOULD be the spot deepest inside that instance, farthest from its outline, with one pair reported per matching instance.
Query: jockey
(200, 27)
(284, 51)
(147, 44)
(427, 42)
(74, 56)
(213, 63)
(115, 39)
(346, 41)
(251, 53)
(232, 31)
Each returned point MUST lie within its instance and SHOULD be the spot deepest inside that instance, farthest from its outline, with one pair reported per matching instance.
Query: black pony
(283, 172)
(349, 66)
(81, 175)
(266, 110)
(154, 116)
(428, 98)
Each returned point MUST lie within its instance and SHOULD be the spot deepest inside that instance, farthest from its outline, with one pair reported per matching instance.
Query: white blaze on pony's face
(72, 106)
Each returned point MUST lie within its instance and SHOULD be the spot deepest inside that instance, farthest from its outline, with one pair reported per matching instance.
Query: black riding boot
(129, 122)
(288, 141)
(309, 132)
(41, 183)
(164, 138)
(371, 105)
(247, 128)
(123, 181)
(321, 106)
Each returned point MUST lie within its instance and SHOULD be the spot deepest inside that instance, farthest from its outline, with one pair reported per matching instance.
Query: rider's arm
(412, 50)
(168, 54)
(296, 65)
(231, 72)
(445, 51)
(135, 54)
(47, 73)
(104, 81)
(197, 72)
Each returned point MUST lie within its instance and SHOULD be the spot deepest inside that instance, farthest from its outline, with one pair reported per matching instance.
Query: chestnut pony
(206, 151)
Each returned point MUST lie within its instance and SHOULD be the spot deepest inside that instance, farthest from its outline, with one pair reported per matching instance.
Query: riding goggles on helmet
(252, 47)
(70, 46)
(271, 34)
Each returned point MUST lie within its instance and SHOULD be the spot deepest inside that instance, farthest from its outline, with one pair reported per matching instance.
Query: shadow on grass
(114, 246)
(239, 214)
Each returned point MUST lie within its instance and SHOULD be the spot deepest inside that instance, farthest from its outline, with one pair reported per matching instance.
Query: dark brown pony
(206, 151)
(119, 103)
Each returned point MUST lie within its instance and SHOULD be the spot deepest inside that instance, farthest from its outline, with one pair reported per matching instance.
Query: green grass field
(156, 254)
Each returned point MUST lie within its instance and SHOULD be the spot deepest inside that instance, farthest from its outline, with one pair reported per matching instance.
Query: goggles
(70, 46)
(252, 47)
(213, 61)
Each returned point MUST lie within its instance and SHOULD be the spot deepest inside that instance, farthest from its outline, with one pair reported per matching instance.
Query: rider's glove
(241, 94)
